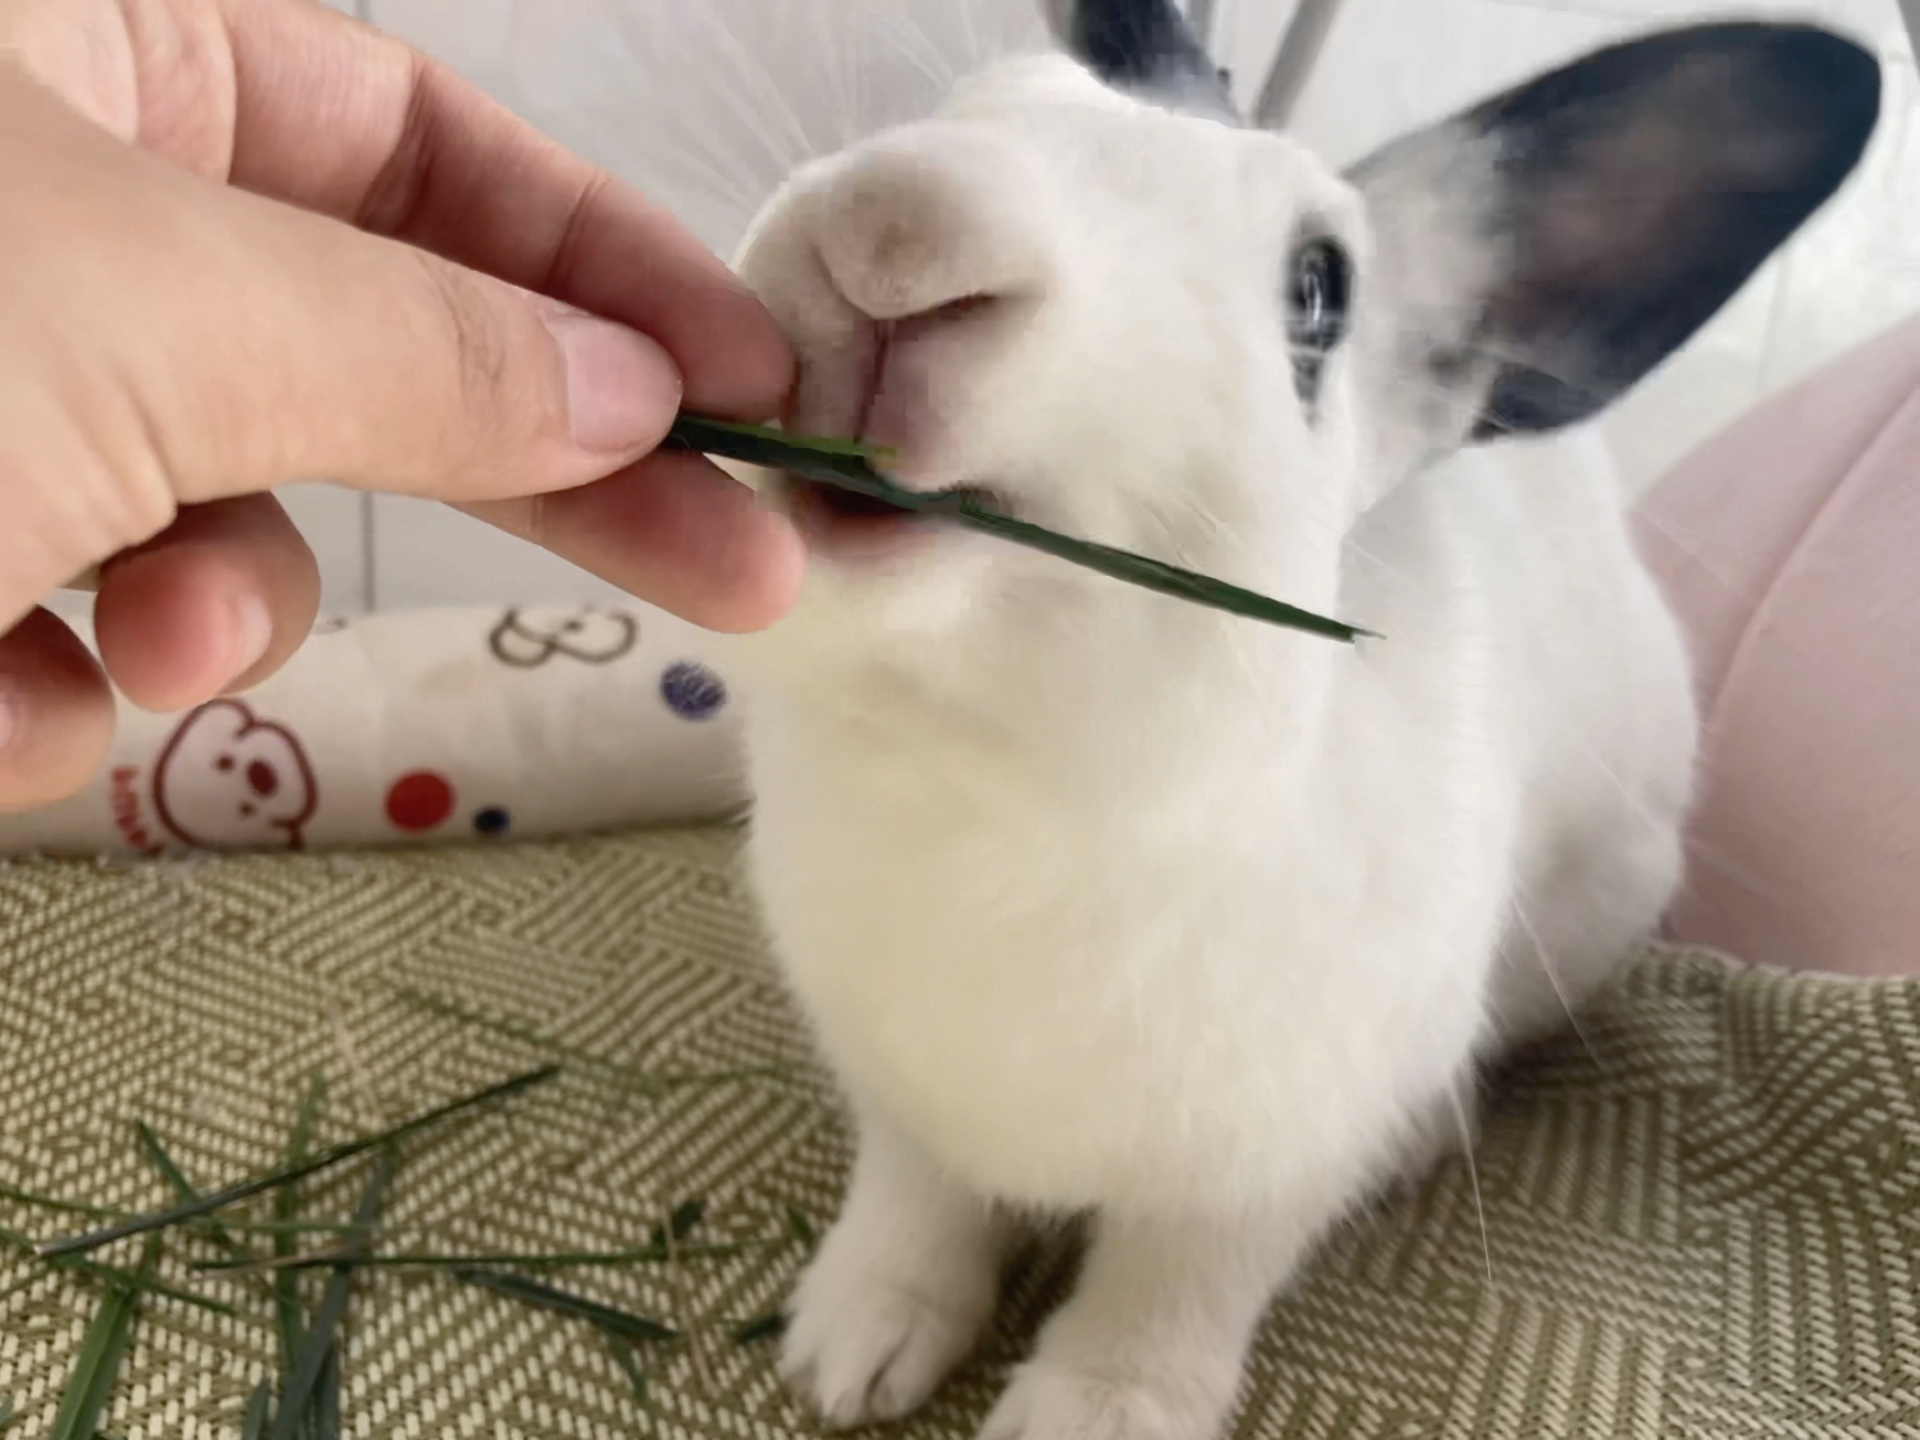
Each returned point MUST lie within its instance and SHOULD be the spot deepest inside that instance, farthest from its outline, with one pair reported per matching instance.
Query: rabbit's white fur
(1103, 901)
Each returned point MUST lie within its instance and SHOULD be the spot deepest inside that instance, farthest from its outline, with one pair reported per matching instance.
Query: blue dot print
(492, 821)
(692, 691)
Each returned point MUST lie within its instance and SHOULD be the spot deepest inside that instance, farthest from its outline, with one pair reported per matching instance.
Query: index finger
(334, 116)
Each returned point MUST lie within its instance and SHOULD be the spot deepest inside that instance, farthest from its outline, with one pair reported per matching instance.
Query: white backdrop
(706, 103)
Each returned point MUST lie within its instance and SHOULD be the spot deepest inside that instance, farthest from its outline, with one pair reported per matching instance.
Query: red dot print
(419, 801)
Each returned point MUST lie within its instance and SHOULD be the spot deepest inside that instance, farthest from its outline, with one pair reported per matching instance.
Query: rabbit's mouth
(841, 521)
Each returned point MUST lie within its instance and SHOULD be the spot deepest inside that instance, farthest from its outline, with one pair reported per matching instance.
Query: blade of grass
(629, 1363)
(111, 1275)
(848, 465)
(6, 1412)
(639, 1082)
(682, 1223)
(802, 1228)
(654, 1254)
(286, 1207)
(324, 1419)
(696, 432)
(685, 1218)
(55, 1205)
(59, 1206)
(288, 1229)
(770, 1326)
(1155, 575)
(677, 1278)
(96, 1369)
(154, 1289)
(253, 1425)
(274, 1180)
(636, 1375)
(298, 1398)
(185, 1192)
(546, 1297)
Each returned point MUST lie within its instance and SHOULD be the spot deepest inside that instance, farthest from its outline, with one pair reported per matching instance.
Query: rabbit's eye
(1318, 282)
(1319, 288)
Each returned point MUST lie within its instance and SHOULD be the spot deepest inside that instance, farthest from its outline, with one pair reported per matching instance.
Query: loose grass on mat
(303, 1400)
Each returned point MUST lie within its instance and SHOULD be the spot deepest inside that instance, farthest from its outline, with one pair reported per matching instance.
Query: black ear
(1145, 46)
(1625, 198)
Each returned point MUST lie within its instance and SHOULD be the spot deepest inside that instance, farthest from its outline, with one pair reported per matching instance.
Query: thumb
(368, 362)
(229, 343)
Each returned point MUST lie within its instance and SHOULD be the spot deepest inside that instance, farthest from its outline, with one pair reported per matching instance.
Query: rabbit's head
(1087, 291)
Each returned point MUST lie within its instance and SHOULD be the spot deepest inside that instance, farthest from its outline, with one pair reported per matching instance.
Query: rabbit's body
(1100, 901)
(1122, 918)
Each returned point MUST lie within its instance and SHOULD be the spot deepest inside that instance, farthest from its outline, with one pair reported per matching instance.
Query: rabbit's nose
(916, 229)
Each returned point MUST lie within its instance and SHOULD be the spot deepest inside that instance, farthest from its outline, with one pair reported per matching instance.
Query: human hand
(250, 242)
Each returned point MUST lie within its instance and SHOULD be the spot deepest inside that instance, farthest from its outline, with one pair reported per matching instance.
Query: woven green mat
(1699, 1219)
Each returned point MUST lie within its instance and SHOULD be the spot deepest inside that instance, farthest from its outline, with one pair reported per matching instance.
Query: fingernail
(252, 634)
(622, 389)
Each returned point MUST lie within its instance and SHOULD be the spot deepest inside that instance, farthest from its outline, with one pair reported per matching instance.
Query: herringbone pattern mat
(1700, 1214)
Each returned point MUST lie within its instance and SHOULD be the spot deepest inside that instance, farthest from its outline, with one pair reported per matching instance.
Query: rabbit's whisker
(1525, 921)
(1473, 1174)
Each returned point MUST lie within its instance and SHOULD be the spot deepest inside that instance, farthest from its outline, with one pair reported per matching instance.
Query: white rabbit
(1100, 901)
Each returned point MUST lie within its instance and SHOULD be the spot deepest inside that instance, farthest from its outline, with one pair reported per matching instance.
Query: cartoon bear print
(228, 779)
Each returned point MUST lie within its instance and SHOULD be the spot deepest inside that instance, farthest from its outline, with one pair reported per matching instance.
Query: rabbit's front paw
(1050, 1402)
(874, 1329)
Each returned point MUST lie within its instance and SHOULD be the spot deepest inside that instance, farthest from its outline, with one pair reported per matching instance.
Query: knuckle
(475, 333)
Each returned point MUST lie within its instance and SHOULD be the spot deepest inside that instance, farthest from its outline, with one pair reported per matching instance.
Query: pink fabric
(1790, 544)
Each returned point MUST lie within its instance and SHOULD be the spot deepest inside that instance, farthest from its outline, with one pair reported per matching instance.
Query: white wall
(706, 103)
